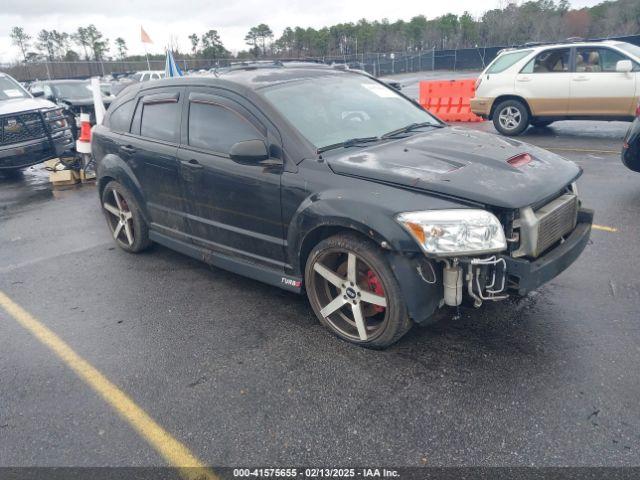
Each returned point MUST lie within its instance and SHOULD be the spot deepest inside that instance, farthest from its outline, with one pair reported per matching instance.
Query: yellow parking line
(604, 229)
(174, 452)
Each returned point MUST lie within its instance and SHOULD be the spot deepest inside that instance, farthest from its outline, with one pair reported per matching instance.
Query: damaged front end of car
(489, 255)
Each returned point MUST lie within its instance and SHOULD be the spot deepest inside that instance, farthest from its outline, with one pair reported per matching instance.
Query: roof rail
(301, 60)
(566, 40)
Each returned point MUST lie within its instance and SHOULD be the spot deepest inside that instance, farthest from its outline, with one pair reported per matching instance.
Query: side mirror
(624, 66)
(394, 85)
(38, 93)
(249, 151)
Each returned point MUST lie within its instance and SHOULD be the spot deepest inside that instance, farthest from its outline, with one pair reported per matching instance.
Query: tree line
(512, 23)
(54, 45)
(88, 43)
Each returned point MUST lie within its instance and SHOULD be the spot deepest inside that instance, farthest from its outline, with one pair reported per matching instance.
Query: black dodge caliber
(331, 183)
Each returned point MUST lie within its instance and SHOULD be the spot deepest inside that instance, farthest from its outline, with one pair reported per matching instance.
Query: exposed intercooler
(540, 229)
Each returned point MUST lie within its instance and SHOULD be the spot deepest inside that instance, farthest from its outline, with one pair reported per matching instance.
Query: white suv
(572, 81)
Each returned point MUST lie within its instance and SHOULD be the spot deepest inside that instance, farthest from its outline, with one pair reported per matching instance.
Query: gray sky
(179, 18)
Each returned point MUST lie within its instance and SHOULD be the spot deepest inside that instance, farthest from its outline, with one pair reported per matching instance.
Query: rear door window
(161, 118)
(549, 61)
(216, 128)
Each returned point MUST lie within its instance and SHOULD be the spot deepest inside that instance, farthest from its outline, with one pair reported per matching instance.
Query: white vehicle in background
(538, 85)
(141, 76)
(146, 75)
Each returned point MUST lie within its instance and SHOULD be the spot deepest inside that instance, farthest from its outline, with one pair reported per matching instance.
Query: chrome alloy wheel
(350, 294)
(510, 118)
(120, 218)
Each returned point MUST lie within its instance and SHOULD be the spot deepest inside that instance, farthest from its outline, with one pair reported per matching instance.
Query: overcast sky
(232, 18)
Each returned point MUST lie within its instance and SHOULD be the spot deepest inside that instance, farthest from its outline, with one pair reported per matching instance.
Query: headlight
(56, 118)
(447, 233)
(52, 114)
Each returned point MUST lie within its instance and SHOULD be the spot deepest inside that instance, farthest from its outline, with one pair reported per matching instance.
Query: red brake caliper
(375, 286)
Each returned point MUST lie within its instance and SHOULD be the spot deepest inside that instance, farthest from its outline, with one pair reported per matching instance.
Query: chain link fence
(382, 64)
(85, 69)
(377, 64)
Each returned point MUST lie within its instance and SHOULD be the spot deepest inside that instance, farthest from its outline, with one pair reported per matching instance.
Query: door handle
(524, 79)
(581, 78)
(128, 149)
(271, 162)
(193, 164)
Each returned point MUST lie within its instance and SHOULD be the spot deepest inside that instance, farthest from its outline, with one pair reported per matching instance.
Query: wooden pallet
(63, 178)
(86, 177)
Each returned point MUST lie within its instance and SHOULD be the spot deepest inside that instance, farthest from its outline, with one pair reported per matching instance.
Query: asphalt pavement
(243, 374)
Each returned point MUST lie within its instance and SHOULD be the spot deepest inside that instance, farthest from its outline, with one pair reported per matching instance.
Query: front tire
(354, 293)
(128, 227)
(511, 117)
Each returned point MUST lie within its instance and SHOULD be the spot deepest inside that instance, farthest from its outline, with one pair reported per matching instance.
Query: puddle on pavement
(26, 187)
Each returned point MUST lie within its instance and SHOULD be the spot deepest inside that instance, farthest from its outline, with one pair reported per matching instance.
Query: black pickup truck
(32, 130)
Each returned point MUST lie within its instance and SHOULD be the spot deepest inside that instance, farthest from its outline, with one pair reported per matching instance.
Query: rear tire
(511, 117)
(124, 218)
(354, 293)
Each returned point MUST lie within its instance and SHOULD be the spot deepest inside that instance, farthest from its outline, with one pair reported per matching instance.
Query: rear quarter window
(120, 118)
(506, 60)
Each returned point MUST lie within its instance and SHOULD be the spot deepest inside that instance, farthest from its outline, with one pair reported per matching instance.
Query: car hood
(83, 102)
(16, 105)
(462, 163)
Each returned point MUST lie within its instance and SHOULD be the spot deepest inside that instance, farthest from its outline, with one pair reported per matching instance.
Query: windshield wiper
(348, 143)
(409, 128)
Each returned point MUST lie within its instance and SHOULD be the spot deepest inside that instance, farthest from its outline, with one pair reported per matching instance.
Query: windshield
(629, 48)
(332, 109)
(9, 88)
(72, 90)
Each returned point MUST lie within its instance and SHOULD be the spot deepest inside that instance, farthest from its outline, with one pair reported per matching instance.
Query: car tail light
(519, 160)
(638, 109)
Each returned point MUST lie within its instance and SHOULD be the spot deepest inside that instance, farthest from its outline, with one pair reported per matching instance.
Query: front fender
(113, 167)
(349, 210)
(420, 281)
